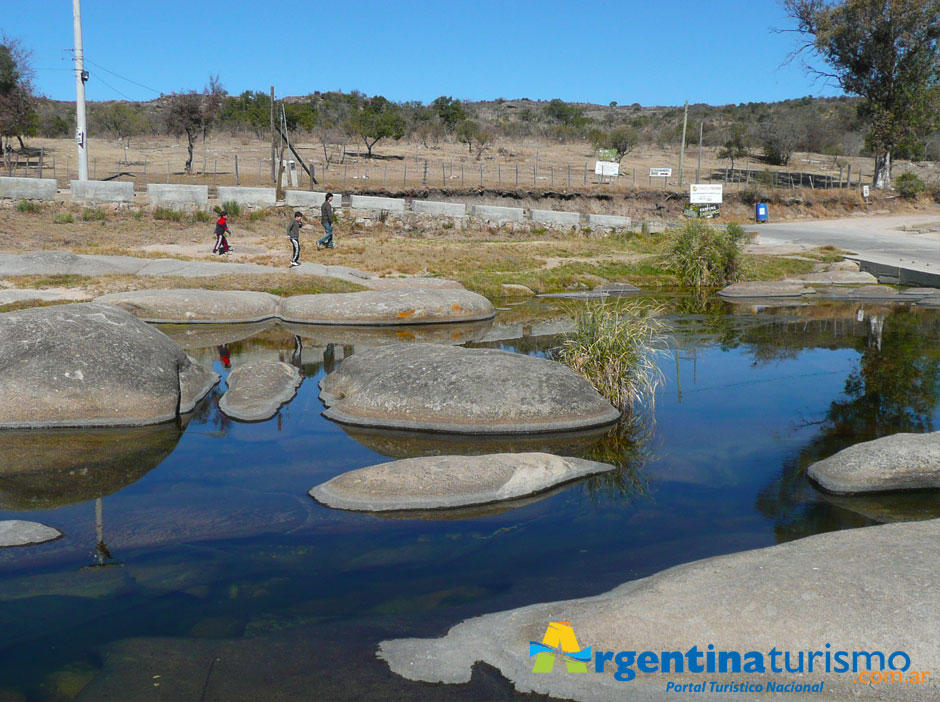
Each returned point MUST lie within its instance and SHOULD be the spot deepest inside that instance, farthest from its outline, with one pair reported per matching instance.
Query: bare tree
(193, 113)
(17, 101)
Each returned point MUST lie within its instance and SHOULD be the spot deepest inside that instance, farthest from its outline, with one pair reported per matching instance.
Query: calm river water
(195, 567)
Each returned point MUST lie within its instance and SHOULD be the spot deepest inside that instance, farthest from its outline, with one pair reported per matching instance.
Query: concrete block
(387, 204)
(439, 209)
(178, 197)
(94, 191)
(556, 218)
(500, 214)
(310, 200)
(248, 197)
(609, 221)
(28, 188)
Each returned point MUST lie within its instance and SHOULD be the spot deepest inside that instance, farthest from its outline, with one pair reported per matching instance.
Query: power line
(126, 97)
(134, 82)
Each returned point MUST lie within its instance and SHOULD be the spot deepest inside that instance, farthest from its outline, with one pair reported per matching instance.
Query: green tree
(470, 133)
(17, 102)
(449, 111)
(624, 140)
(886, 52)
(377, 119)
(121, 119)
(735, 146)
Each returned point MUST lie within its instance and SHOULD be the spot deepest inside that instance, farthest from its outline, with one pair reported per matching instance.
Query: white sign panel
(660, 172)
(705, 194)
(607, 168)
(865, 191)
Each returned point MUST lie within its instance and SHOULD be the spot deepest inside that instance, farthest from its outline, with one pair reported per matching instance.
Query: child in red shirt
(221, 229)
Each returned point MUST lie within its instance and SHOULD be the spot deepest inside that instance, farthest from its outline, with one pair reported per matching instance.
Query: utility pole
(81, 135)
(698, 171)
(273, 141)
(685, 121)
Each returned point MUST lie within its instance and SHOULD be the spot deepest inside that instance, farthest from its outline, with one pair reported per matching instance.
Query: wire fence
(355, 172)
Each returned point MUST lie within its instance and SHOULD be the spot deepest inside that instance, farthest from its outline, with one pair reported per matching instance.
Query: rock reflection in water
(321, 335)
(58, 467)
(201, 336)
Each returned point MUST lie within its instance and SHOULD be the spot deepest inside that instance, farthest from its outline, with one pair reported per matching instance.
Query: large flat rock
(15, 532)
(89, 364)
(441, 482)
(256, 390)
(896, 462)
(65, 263)
(428, 387)
(871, 589)
(396, 307)
(836, 277)
(195, 306)
(763, 288)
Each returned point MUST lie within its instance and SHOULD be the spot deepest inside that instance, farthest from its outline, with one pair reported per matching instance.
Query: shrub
(702, 256)
(201, 216)
(28, 206)
(233, 208)
(613, 345)
(63, 218)
(257, 215)
(94, 214)
(168, 214)
(909, 186)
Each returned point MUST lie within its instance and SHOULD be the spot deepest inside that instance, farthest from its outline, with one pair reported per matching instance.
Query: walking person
(326, 219)
(221, 229)
(293, 232)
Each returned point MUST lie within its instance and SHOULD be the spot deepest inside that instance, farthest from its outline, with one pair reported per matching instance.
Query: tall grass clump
(168, 214)
(909, 186)
(615, 346)
(28, 206)
(94, 214)
(231, 207)
(702, 256)
(63, 218)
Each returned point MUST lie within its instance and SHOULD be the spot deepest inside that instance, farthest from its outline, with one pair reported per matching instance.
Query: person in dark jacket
(221, 229)
(293, 232)
(326, 219)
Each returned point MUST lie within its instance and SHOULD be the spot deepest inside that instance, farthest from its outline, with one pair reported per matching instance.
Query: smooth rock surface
(89, 364)
(858, 589)
(65, 263)
(896, 462)
(516, 290)
(427, 387)
(764, 288)
(441, 482)
(257, 390)
(836, 277)
(15, 532)
(195, 306)
(387, 307)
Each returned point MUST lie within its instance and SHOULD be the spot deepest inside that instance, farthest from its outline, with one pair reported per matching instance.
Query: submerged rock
(763, 288)
(427, 387)
(867, 589)
(195, 306)
(14, 532)
(897, 462)
(450, 481)
(89, 364)
(57, 467)
(257, 390)
(387, 307)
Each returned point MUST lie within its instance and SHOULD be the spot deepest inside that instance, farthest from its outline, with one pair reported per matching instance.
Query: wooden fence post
(236, 169)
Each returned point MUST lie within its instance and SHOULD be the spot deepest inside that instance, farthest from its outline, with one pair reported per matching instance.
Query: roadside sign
(660, 172)
(607, 154)
(703, 211)
(705, 193)
(607, 168)
(866, 191)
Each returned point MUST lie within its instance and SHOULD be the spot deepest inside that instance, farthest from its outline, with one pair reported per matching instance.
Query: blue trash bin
(760, 212)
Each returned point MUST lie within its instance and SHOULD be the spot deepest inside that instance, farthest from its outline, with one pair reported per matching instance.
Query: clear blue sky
(653, 53)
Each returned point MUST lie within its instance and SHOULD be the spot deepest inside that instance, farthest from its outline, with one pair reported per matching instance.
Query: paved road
(862, 235)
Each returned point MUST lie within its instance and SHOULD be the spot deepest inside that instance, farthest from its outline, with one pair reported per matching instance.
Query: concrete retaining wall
(178, 197)
(28, 188)
(248, 197)
(367, 202)
(610, 221)
(96, 191)
(556, 218)
(500, 214)
(309, 199)
(439, 209)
